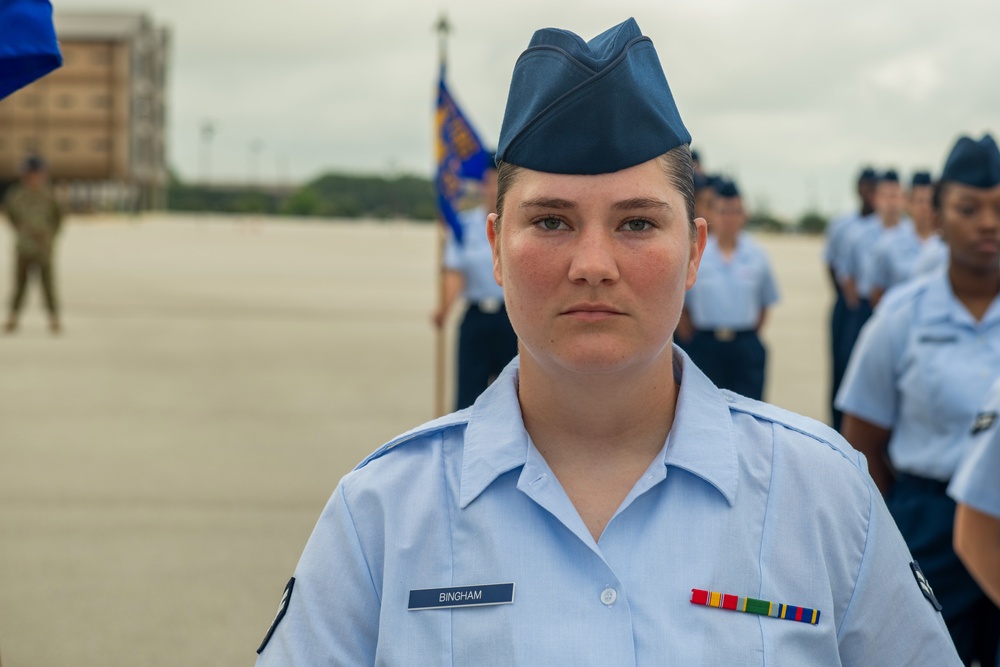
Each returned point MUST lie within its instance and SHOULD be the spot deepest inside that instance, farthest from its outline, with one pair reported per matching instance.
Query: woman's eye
(551, 223)
(637, 225)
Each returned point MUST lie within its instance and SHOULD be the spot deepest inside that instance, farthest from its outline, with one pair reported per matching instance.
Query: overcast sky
(789, 96)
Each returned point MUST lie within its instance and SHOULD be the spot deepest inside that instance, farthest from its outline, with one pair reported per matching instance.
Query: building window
(30, 100)
(101, 101)
(101, 56)
(64, 101)
(65, 144)
(102, 145)
(30, 144)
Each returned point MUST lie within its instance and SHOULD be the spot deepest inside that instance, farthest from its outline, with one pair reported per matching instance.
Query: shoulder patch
(282, 608)
(984, 422)
(435, 426)
(925, 586)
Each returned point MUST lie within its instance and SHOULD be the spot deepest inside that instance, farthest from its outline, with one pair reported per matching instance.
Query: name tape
(461, 596)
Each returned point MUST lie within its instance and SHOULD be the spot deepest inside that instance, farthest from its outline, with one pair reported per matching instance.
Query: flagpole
(443, 27)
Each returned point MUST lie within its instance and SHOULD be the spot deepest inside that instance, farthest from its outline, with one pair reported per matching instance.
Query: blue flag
(28, 46)
(460, 156)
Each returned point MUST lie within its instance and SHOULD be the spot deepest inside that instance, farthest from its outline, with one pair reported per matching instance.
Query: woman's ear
(698, 242)
(492, 224)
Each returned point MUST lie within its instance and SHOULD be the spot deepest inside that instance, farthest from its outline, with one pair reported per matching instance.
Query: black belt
(726, 335)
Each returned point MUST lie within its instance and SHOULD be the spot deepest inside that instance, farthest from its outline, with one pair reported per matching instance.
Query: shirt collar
(941, 305)
(701, 440)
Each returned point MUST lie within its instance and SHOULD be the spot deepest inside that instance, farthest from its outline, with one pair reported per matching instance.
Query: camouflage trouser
(24, 266)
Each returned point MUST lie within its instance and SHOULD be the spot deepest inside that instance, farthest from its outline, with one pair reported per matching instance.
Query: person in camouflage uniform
(36, 217)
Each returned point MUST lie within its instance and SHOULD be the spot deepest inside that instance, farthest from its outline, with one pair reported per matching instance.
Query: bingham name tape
(752, 606)
(461, 596)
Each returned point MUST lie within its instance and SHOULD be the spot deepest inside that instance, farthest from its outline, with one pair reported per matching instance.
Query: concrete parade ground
(163, 461)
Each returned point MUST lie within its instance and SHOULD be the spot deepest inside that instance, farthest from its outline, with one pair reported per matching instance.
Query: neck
(727, 240)
(867, 209)
(890, 220)
(598, 416)
(976, 289)
(923, 229)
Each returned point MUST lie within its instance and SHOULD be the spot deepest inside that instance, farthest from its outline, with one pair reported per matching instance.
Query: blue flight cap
(726, 189)
(594, 107)
(695, 157)
(921, 178)
(974, 163)
(888, 176)
(701, 182)
(867, 175)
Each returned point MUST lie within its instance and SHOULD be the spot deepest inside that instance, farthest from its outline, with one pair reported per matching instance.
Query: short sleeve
(332, 615)
(452, 253)
(889, 620)
(768, 287)
(869, 387)
(977, 481)
(876, 273)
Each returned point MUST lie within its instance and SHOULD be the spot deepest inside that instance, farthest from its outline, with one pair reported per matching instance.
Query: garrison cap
(726, 189)
(920, 178)
(974, 163)
(32, 164)
(594, 107)
(701, 182)
(867, 175)
(888, 176)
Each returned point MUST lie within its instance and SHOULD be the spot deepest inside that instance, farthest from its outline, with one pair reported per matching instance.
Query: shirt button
(608, 596)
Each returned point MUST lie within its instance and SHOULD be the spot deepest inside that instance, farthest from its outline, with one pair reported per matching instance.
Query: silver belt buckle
(725, 335)
(490, 306)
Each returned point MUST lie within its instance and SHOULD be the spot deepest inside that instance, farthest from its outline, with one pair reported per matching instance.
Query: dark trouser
(486, 343)
(850, 324)
(736, 364)
(926, 518)
(838, 359)
(24, 266)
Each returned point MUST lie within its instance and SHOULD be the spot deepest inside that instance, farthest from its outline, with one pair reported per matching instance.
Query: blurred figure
(726, 308)
(922, 368)
(486, 340)
(834, 254)
(976, 489)
(36, 217)
(894, 255)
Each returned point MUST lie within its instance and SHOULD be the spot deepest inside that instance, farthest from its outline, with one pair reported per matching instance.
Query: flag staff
(443, 28)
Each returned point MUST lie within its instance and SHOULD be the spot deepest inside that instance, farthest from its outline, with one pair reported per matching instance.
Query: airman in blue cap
(834, 254)
(921, 369)
(603, 501)
(728, 304)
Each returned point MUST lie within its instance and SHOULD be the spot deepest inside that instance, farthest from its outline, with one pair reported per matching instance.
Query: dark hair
(938, 197)
(676, 164)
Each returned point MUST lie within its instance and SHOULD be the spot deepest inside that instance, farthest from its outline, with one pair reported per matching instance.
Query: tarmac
(163, 461)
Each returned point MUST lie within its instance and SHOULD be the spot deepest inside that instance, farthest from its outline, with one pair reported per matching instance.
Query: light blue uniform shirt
(858, 252)
(473, 257)
(893, 257)
(921, 368)
(836, 233)
(744, 499)
(730, 294)
(977, 482)
(933, 255)
(844, 261)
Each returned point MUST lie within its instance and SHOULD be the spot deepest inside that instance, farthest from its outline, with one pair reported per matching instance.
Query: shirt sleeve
(869, 388)
(452, 253)
(976, 482)
(889, 620)
(768, 287)
(333, 611)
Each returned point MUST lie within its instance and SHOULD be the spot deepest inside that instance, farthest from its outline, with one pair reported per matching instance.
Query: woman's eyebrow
(640, 203)
(548, 202)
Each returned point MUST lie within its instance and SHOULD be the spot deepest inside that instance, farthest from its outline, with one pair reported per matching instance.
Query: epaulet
(434, 426)
(903, 295)
(812, 429)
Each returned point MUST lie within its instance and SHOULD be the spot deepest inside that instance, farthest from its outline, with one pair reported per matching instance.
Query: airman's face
(970, 224)
(728, 216)
(594, 268)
